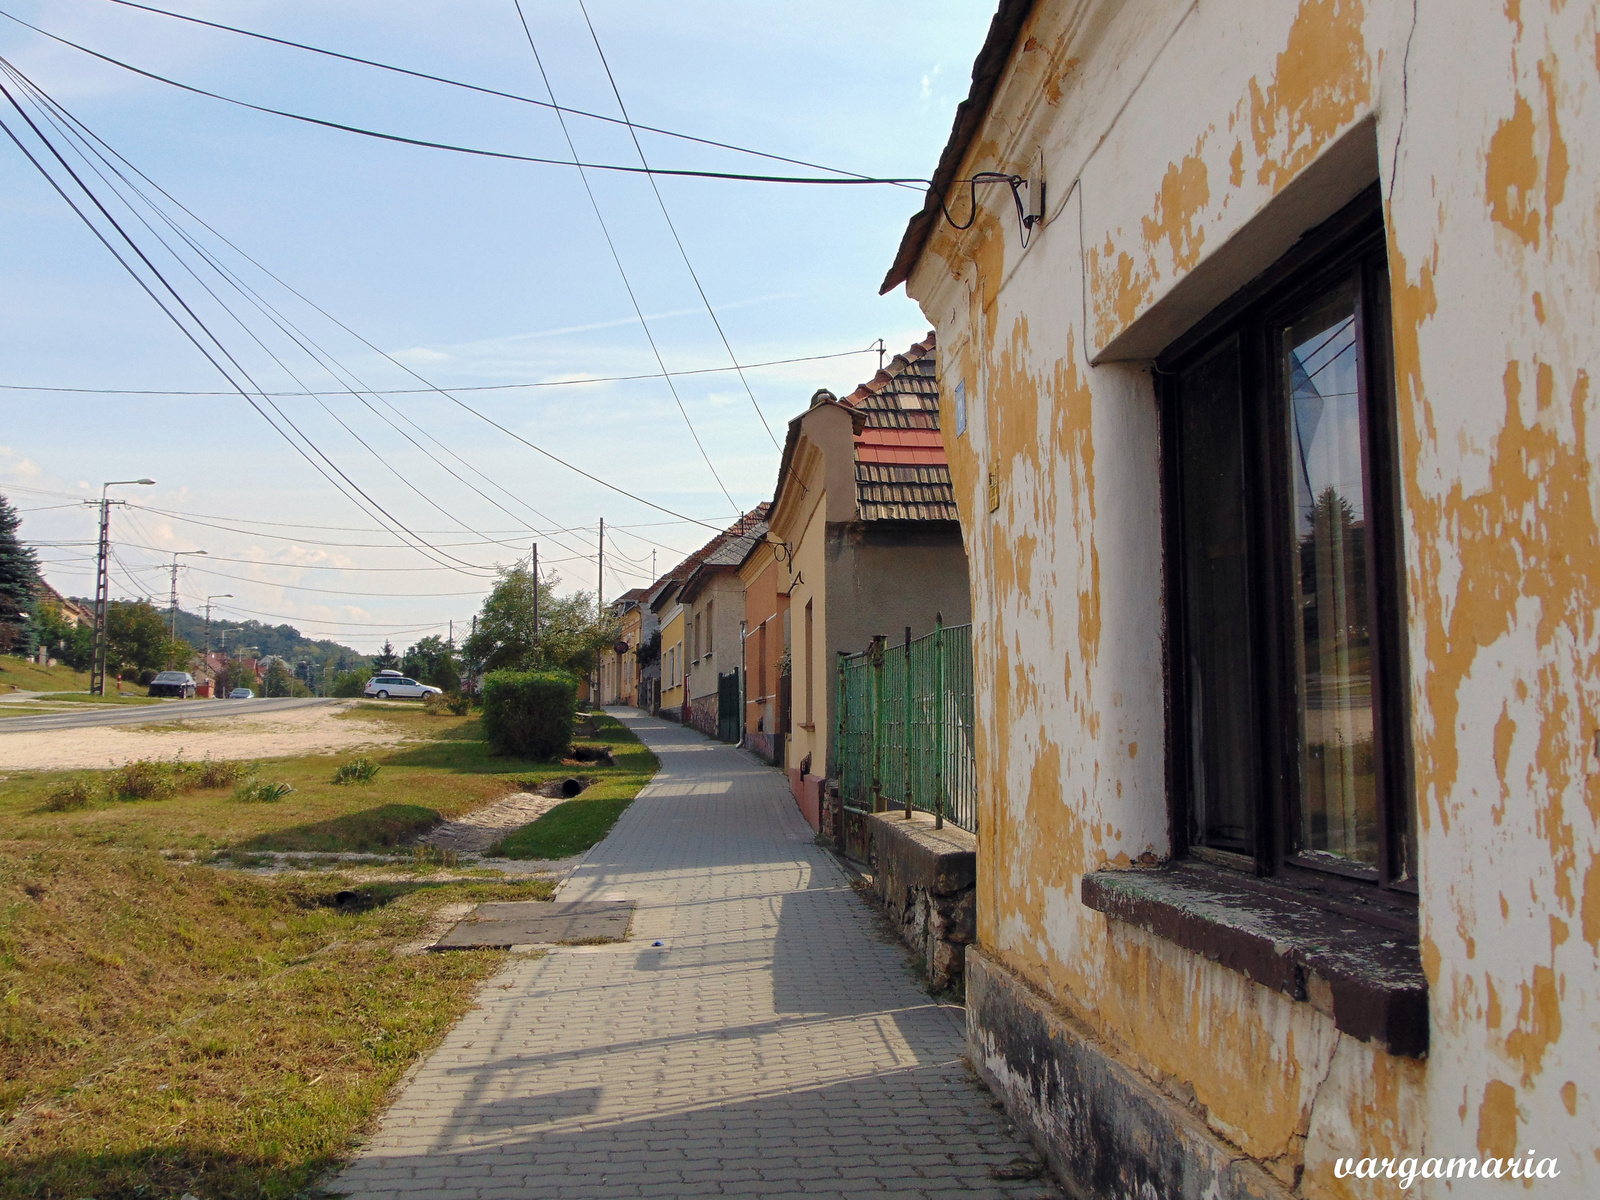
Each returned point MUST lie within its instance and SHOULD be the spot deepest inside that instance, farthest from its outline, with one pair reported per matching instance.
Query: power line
(617, 258)
(74, 139)
(430, 386)
(488, 91)
(184, 329)
(704, 299)
(455, 149)
(484, 387)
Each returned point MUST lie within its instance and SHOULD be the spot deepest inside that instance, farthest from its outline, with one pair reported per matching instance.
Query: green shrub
(349, 686)
(145, 779)
(458, 703)
(75, 795)
(255, 791)
(529, 714)
(357, 770)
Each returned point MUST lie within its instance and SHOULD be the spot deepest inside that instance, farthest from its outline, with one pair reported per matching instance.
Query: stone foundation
(703, 714)
(926, 878)
(1106, 1131)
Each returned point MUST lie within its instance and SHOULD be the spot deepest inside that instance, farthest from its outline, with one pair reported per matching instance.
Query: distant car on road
(173, 683)
(241, 694)
(386, 684)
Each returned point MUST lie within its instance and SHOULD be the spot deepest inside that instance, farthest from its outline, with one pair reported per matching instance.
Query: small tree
(137, 639)
(433, 660)
(388, 660)
(569, 635)
(72, 644)
(19, 579)
(278, 681)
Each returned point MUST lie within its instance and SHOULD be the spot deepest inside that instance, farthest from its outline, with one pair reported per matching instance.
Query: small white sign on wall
(961, 407)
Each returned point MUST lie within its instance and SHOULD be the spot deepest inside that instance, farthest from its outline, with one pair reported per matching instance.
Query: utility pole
(535, 602)
(652, 566)
(209, 599)
(102, 586)
(599, 602)
(175, 589)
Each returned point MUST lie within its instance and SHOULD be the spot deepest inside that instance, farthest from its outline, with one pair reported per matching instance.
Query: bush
(208, 774)
(77, 794)
(458, 703)
(349, 686)
(529, 714)
(357, 770)
(254, 791)
(146, 779)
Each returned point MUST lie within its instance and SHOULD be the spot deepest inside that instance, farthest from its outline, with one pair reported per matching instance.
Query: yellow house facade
(673, 664)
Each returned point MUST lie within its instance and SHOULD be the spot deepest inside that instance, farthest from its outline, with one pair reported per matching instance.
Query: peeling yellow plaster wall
(1503, 555)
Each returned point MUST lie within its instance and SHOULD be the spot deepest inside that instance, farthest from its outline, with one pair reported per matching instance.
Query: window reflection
(1338, 794)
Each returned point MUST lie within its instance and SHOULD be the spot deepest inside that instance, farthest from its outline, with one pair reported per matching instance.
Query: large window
(1287, 659)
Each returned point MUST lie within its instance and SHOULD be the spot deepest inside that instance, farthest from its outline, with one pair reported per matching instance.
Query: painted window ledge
(1368, 978)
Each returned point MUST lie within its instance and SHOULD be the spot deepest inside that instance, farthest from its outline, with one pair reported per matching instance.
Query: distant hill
(285, 641)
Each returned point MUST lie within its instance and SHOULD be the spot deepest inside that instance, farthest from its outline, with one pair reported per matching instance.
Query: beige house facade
(866, 538)
(1267, 363)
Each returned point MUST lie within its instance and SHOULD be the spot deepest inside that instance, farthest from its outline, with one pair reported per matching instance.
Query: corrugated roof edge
(987, 71)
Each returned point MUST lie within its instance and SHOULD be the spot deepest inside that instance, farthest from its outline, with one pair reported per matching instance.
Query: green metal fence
(905, 727)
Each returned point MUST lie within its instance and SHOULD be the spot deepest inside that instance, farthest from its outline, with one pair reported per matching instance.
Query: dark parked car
(173, 683)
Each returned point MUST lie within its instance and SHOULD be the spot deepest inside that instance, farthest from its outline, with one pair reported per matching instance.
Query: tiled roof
(740, 531)
(902, 473)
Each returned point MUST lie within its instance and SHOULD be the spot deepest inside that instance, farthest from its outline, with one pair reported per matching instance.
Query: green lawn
(169, 1025)
(20, 675)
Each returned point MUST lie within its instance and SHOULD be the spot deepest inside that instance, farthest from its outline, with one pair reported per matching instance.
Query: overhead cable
(182, 327)
(71, 131)
(617, 258)
(489, 91)
(430, 386)
(455, 149)
(480, 387)
(678, 241)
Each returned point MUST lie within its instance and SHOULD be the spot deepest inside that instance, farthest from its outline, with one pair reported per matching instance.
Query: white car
(392, 684)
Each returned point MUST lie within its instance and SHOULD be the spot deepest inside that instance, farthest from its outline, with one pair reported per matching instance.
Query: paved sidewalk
(772, 1044)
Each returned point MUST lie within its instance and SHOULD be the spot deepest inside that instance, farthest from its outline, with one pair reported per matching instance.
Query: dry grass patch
(172, 1028)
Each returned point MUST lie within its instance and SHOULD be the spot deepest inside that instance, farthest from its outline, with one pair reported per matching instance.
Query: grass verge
(573, 827)
(20, 675)
(171, 1028)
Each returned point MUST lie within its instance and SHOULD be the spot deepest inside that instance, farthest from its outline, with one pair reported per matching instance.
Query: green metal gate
(905, 727)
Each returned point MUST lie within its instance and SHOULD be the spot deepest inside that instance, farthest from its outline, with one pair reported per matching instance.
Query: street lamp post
(175, 555)
(102, 587)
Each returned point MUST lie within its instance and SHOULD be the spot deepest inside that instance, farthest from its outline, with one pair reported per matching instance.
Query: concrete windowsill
(1368, 978)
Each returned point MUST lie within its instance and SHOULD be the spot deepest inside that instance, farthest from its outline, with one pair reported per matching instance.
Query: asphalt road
(145, 714)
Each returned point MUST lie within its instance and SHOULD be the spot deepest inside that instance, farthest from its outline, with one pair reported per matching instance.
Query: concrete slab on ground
(499, 926)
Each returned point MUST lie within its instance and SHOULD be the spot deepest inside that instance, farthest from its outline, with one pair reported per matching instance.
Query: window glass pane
(1218, 677)
(1333, 660)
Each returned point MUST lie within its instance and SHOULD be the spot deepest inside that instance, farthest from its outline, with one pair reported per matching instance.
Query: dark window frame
(1350, 245)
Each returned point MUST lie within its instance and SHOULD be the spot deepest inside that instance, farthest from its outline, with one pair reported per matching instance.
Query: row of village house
(1266, 345)
(860, 538)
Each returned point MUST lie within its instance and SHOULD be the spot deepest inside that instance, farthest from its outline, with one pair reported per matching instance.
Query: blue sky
(470, 271)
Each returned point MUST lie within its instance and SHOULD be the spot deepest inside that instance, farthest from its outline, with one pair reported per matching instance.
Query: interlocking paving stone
(776, 1042)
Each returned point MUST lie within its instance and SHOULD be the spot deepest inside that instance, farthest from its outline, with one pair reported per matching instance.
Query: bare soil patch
(299, 731)
(477, 831)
